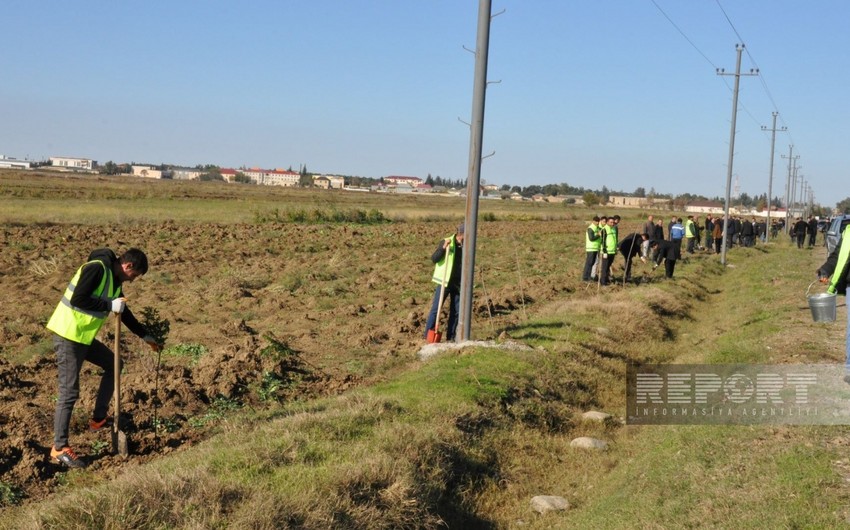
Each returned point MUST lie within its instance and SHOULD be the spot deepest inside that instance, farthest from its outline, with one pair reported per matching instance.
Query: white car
(833, 233)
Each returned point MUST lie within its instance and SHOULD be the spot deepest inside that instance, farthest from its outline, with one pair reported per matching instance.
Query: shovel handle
(117, 359)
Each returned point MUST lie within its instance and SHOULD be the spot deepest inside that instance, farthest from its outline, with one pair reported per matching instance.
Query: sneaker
(66, 457)
(96, 425)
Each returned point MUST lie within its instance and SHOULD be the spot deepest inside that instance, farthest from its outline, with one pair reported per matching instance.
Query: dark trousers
(717, 243)
(678, 243)
(801, 238)
(669, 266)
(451, 327)
(690, 244)
(812, 238)
(69, 360)
(589, 261)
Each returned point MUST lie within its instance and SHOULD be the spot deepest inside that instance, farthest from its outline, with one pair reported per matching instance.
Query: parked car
(823, 224)
(833, 234)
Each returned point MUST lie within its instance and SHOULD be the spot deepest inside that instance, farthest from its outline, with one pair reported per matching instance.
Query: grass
(466, 439)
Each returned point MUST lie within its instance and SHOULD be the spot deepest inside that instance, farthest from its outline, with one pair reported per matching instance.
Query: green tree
(844, 206)
(306, 179)
(242, 178)
(640, 192)
(211, 173)
(590, 199)
(110, 168)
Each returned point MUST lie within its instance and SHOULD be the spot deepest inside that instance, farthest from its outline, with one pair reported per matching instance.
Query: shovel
(119, 438)
(434, 335)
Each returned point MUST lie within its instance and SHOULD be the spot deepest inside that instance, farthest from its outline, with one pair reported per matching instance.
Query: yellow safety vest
(444, 266)
(81, 325)
(596, 244)
(610, 239)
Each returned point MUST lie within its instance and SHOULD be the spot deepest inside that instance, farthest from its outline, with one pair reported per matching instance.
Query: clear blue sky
(591, 92)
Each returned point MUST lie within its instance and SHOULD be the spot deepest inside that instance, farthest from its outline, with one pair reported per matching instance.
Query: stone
(595, 415)
(549, 503)
(586, 442)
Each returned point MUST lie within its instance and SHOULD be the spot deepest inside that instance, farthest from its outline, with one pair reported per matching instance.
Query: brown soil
(309, 310)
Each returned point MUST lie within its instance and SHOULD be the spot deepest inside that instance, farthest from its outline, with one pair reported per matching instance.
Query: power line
(683, 34)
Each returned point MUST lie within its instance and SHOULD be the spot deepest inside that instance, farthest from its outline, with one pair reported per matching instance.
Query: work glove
(154, 345)
(118, 305)
(655, 266)
(604, 256)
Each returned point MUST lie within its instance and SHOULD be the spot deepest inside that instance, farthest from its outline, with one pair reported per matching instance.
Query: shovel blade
(434, 336)
(119, 443)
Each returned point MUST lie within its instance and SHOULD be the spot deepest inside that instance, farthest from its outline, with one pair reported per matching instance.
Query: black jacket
(630, 246)
(90, 278)
(666, 250)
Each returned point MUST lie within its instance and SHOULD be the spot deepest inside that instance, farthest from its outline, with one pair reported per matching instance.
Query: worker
(447, 261)
(608, 249)
(94, 292)
(592, 244)
(634, 245)
(669, 252)
(836, 272)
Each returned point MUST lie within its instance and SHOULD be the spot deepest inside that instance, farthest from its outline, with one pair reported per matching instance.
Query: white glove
(118, 305)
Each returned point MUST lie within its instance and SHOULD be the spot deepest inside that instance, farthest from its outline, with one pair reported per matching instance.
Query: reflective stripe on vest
(595, 245)
(443, 268)
(77, 324)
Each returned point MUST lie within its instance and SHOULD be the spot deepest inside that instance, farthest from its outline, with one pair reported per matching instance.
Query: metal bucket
(822, 306)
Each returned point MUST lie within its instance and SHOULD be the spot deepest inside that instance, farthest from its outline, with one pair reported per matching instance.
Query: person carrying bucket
(836, 272)
(447, 261)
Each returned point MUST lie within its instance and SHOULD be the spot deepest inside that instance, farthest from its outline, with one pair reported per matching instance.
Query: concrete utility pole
(794, 189)
(791, 158)
(476, 139)
(770, 180)
(739, 48)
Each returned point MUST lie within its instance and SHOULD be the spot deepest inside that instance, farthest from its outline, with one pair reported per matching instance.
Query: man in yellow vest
(608, 248)
(836, 273)
(447, 259)
(592, 244)
(94, 292)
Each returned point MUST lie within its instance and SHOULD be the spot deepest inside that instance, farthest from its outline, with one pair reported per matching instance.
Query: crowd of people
(658, 242)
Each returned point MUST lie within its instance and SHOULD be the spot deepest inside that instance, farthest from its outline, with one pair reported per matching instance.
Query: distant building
(147, 172)
(409, 181)
(187, 173)
(273, 177)
(711, 207)
(14, 163)
(84, 164)
(229, 175)
(334, 182)
(322, 182)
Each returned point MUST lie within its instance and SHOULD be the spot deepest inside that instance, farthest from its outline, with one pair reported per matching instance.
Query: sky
(616, 93)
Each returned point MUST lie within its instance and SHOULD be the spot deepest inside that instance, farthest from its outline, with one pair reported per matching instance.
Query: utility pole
(739, 48)
(794, 188)
(770, 180)
(791, 158)
(476, 139)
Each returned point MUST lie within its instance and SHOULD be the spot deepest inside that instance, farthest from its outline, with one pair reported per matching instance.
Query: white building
(86, 164)
(146, 172)
(186, 173)
(14, 163)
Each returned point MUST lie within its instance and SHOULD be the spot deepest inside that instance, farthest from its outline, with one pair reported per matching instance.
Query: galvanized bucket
(822, 305)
